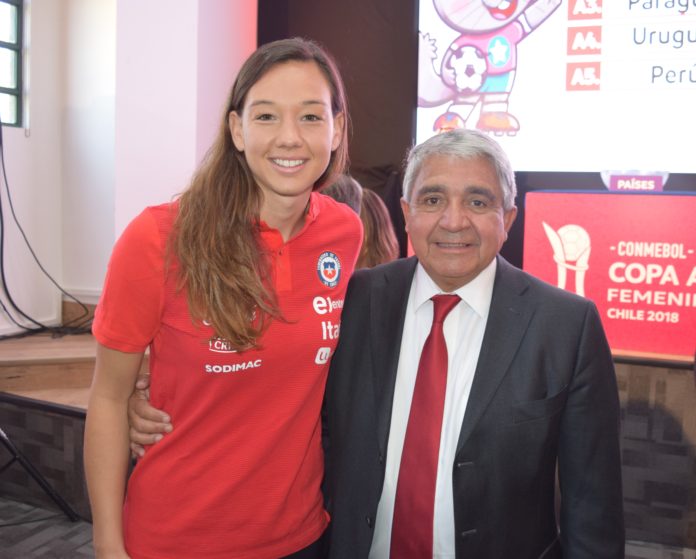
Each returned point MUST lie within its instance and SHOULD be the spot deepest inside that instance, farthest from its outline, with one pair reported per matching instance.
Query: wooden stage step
(44, 368)
(44, 387)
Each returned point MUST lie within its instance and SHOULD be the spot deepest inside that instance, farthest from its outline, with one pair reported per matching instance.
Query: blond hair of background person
(379, 244)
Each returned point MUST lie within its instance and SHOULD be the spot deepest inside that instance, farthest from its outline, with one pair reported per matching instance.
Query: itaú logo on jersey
(329, 269)
(233, 367)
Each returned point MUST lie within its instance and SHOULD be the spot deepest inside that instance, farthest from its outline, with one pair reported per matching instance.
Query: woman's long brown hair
(222, 264)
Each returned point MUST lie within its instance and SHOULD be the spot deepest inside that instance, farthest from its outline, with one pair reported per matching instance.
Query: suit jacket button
(368, 519)
(381, 458)
(467, 534)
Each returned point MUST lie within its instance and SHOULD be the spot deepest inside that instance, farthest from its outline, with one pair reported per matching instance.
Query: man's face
(455, 218)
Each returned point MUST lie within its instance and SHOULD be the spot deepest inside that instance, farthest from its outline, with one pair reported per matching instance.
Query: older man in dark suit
(445, 441)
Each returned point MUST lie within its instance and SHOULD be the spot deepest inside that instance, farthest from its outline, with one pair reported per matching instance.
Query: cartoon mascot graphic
(479, 66)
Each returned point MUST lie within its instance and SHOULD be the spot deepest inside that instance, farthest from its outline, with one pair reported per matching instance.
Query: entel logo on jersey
(323, 305)
(329, 269)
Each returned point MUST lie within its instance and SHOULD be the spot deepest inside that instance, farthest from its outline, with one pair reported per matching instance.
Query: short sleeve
(130, 308)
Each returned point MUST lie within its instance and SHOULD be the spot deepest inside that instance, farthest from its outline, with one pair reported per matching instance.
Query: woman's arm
(106, 446)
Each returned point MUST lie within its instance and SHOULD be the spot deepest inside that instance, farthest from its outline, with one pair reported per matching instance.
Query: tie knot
(443, 304)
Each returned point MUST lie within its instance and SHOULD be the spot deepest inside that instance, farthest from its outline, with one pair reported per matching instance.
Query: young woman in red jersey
(236, 289)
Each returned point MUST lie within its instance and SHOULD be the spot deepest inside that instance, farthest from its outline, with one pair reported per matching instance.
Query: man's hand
(147, 424)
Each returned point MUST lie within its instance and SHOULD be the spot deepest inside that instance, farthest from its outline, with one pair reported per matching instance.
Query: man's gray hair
(464, 144)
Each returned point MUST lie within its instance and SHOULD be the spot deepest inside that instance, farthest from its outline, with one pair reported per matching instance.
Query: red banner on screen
(634, 255)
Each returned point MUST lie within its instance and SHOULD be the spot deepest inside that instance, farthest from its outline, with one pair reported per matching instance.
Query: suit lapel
(508, 319)
(388, 301)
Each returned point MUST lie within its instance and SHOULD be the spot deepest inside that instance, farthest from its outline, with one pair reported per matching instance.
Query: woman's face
(286, 130)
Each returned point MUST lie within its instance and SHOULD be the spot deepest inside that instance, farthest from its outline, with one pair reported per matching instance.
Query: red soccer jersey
(239, 477)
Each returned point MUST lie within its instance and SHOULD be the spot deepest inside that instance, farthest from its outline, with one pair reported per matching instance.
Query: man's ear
(509, 218)
(406, 209)
(234, 121)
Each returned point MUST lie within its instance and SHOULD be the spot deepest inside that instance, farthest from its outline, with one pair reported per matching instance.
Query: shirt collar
(477, 293)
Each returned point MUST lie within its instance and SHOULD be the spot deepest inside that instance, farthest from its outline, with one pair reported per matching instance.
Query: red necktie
(412, 527)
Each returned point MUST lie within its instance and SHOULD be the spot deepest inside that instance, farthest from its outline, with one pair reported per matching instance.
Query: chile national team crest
(329, 269)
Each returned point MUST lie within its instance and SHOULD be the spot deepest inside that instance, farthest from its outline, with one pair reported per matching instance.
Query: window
(11, 62)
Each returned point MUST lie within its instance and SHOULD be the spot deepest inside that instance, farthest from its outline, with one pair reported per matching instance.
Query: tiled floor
(640, 550)
(27, 532)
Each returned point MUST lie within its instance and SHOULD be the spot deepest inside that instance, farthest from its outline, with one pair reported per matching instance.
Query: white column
(175, 64)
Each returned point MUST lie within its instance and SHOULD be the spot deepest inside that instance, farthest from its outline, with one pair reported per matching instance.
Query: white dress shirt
(463, 329)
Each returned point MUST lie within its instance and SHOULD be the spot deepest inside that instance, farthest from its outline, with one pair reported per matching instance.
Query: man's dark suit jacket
(544, 391)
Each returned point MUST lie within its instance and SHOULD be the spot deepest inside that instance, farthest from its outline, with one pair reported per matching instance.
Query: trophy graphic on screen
(571, 251)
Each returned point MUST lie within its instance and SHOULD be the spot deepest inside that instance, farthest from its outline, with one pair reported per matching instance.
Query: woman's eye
(311, 118)
(265, 116)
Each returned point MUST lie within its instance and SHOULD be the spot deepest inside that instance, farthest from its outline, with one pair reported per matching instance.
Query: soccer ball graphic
(469, 66)
(576, 243)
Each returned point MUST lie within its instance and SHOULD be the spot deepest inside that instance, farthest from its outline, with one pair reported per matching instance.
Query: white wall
(34, 167)
(220, 55)
(88, 144)
(125, 98)
(175, 64)
(155, 102)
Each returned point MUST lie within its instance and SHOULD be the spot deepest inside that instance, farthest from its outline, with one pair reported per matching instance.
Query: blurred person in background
(347, 190)
(379, 243)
